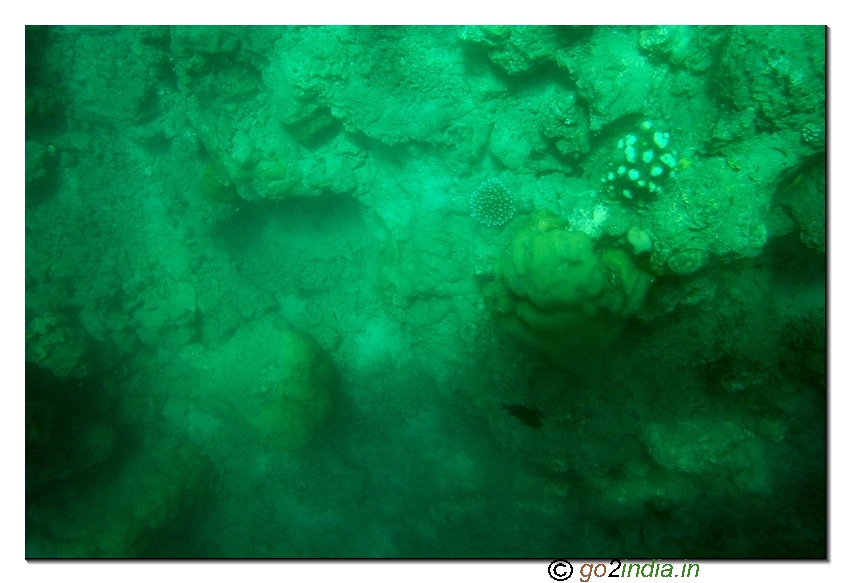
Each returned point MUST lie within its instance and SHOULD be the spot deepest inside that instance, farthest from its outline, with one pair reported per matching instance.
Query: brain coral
(492, 204)
(552, 289)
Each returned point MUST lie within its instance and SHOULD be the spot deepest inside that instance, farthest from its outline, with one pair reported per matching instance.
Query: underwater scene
(425, 292)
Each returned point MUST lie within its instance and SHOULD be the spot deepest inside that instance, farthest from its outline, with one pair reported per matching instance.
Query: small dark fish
(530, 417)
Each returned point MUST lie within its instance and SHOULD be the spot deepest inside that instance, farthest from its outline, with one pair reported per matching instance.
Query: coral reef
(218, 219)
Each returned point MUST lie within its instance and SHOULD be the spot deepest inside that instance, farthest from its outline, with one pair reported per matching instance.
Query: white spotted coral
(492, 204)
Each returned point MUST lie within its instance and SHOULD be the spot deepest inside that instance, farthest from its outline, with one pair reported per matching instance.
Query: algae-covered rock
(777, 70)
(725, 448)
(57, 343)
(627, 285)
(805, 202)
(291, 411)
(517, 50)
(610, 74)
(718, 209)
(269, 383)
(686, 262)
(692, 47)
(120, 515)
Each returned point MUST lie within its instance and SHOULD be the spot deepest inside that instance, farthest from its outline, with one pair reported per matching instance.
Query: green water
(425, 292)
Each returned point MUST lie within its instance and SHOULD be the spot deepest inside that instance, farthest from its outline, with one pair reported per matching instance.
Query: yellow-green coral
(552, 289)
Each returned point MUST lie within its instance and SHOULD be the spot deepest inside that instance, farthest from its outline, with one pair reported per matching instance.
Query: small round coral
(492, 204)
(644, 164)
